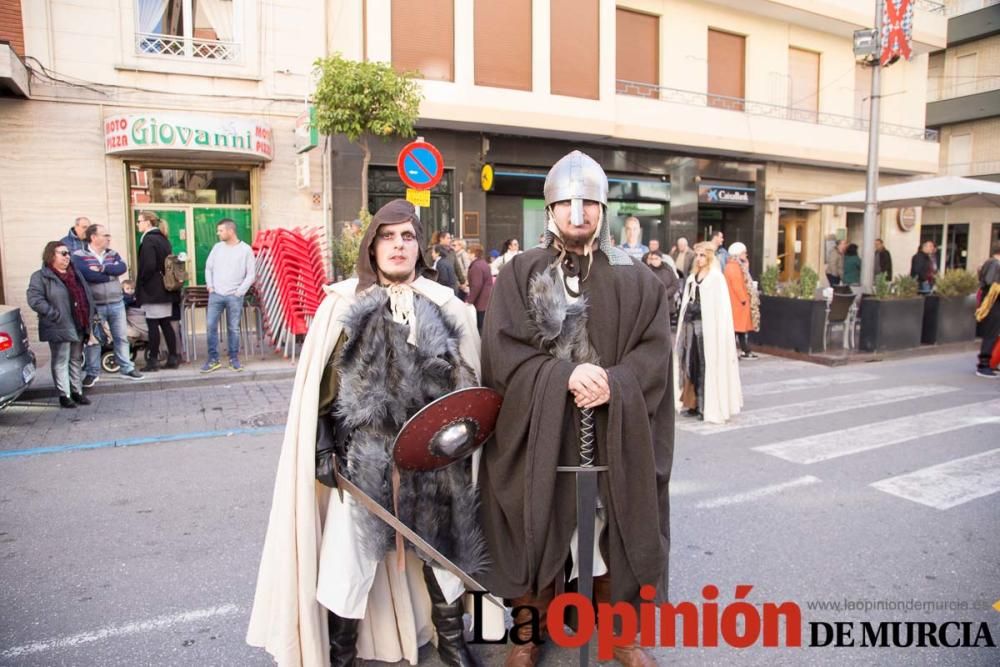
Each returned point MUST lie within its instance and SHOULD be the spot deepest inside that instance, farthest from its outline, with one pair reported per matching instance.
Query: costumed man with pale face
(331, 588)
(572, 327)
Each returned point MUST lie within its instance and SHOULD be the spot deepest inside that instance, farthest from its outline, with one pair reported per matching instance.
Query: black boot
(173, 361)
(343, 640)
(152, 365)
(79, 399)
(447, 619)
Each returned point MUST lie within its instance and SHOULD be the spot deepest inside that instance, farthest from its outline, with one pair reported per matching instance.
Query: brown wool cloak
(528, 510)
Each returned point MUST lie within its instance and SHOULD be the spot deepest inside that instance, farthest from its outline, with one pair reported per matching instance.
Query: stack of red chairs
(290, 278)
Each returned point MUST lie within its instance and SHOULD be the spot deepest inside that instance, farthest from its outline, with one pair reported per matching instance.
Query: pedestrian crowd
(94, 318)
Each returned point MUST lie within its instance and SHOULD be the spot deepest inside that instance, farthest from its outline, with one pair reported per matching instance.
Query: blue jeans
(114, 315)
(233, 305)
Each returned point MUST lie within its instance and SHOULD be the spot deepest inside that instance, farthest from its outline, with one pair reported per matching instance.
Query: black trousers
(744, 340)
(155, 326)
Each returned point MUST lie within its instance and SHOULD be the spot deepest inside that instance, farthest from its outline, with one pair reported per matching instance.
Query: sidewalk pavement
(255, 369)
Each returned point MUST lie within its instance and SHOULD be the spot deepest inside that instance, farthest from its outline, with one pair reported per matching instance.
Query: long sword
(420, 543)
(586, 511)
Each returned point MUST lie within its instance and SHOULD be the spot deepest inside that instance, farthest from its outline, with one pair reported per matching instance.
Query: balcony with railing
(973, 169)
(189, 48)
(753, 108)
(946, 89)
(958, 7)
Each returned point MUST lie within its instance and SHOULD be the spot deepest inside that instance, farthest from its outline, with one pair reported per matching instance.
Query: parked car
(17, 361)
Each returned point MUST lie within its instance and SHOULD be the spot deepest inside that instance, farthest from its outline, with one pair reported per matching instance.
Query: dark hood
(395, 212)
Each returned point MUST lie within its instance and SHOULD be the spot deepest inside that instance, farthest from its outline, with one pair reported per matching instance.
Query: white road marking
(949, 484)
(756, 494)
(111, 631)
(811, 382)
(843, 442)
(814, 408)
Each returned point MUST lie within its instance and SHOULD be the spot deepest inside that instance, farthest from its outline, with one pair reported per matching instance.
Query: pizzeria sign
(156, 132)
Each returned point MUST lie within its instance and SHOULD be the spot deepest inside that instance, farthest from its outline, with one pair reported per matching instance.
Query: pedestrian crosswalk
(943, 486)
(949, 484)
(810, 382)
(856, 439)
(815, 408)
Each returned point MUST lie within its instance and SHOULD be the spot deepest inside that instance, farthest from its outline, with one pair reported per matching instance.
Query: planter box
(891, 324)
(791, 324)
(949, 319)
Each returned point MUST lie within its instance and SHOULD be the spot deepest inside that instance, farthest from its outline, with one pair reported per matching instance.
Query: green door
(173, 223)
(206, 219)
(174, 226)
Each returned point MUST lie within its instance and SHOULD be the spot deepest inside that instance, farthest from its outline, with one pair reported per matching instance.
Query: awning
(941, 191)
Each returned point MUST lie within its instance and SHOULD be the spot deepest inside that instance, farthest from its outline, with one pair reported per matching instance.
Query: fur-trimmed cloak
(310, 532)
(528, 509)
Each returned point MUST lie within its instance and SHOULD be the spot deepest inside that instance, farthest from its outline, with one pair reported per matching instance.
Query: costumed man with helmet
(332, 586)
(576, 327)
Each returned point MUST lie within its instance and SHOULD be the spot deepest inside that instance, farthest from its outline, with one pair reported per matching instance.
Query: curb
(169, 380)
(869, 357)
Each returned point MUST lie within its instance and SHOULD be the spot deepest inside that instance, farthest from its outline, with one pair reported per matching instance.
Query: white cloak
(723, 392)
(310, 553)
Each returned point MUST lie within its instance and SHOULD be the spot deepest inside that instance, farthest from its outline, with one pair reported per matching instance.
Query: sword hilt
(588, 440)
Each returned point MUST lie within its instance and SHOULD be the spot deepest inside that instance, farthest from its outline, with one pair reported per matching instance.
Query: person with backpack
(100, 266)
(151, 293)
(229, 274)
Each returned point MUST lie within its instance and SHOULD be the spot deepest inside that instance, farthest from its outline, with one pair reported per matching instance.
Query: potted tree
(892, 317)
(949, 313)
(790, 317)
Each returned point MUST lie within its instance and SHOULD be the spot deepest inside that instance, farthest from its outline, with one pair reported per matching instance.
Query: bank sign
(726, 195)
(155, 132)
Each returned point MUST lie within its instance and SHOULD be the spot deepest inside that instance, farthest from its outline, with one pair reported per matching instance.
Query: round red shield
(448, 429)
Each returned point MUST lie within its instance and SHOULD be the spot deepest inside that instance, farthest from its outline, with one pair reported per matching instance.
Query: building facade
(184, 107)
(705, 114)
(963, 104)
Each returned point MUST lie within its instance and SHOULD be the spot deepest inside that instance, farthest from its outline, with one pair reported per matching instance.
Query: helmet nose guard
(575, 178)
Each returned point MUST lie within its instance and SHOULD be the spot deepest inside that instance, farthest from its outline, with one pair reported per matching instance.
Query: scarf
(78, 297)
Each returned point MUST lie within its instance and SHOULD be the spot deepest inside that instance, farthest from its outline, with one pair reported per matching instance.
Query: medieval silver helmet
(574, 178)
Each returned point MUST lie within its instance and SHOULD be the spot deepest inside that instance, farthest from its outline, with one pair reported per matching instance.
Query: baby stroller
(138, 340)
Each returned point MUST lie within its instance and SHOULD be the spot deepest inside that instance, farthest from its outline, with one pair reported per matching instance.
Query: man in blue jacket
(101, 266)
(74, 239)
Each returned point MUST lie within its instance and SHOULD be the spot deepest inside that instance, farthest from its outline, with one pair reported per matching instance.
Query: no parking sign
(420, 165)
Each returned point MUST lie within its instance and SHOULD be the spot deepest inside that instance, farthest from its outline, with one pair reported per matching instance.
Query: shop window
(192, 29)
(189, 186)
(637, 53)
(575, 48)
(726, 70)
(503, 43)
(423, 38)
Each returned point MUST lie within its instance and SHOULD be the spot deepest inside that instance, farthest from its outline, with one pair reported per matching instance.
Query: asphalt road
(875, 484)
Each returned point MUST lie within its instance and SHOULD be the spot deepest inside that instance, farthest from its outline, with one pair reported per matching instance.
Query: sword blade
(420, 543)
(586, 514)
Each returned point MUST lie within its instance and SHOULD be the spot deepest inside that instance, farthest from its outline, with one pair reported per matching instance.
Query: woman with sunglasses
(706, 370)
(61, 297)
